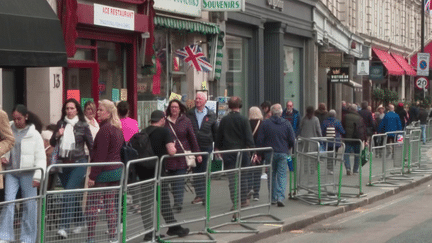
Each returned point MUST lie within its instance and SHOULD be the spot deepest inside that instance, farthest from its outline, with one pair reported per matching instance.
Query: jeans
(278, 176)
(29, 217)
(199, 183)
(423, 132)
(72, 178)
(255, 181)
(177, 186)
(352, 148)
(230, 163)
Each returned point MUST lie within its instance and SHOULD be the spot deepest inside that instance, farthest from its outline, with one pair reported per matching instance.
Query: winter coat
(277, 133)
(348, 122)
(206, 134)
(32, 152)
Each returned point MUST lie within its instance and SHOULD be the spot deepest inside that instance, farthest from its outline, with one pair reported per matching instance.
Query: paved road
(405, 217)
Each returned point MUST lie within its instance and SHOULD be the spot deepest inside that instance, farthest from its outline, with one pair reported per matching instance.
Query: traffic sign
(423, 64)
(422, 83)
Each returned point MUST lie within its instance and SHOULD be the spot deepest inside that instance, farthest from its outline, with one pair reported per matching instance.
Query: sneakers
(62, 233)
(197, 200)
(280, 204)
(256, 199)
(177, 230)
(348, 172)
(264, 177)
(78, 229)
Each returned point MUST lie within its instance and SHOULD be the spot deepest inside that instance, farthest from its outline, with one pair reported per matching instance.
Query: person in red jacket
(106, 148)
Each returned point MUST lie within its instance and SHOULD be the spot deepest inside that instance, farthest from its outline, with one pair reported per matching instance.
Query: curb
(341, 209)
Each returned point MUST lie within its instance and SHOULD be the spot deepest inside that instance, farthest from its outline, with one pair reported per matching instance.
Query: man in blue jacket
(277, 133)
(390, 123)
(292, 115)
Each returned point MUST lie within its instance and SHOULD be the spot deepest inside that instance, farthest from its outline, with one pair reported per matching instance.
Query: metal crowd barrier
(351, 182)
(77, 206)
(177, 185)
(414, 164)
(253, 176)
(429, 130)
(226, 186)
(139, 198)
(18, 214)
(316, 184)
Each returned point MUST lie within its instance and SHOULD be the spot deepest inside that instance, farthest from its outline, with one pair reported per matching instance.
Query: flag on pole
(427, 7)
(194, 56)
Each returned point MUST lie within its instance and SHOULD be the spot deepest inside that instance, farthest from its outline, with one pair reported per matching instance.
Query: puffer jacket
(32, 152)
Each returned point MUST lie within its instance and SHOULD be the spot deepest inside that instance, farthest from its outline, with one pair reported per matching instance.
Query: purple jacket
(106, 148)
(185, 133)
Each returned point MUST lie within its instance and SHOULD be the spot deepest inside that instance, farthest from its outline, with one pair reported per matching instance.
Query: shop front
(268, 50)
(104, 51)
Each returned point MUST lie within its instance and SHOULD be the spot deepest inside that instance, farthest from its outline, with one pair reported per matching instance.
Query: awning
(389, 62)
(427, 49)
(188, 25)
(404, 64)
(30, 35)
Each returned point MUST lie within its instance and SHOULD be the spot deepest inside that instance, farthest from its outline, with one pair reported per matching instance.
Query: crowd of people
(79, 138)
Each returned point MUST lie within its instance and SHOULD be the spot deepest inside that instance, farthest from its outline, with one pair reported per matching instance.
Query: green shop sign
(185, 7)
(223, 5)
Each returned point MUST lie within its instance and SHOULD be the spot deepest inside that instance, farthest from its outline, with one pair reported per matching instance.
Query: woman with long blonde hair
(106, 148)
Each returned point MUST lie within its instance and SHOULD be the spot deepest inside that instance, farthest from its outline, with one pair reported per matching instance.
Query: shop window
(292, 75)
(236, 74)
(112, 66)
(152, 79)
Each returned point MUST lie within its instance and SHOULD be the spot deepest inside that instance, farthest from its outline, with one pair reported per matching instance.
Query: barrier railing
(20, 219)
(64, 207)
(280, 161)
(353, 148)
(177, 183)
(315, 185)
(139, 198)
(224, 186)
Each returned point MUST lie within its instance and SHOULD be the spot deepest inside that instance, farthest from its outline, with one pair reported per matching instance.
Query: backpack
(141, 143)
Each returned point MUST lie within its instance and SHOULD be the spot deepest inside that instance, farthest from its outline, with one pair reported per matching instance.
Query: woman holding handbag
(181, 130)
(69, 138)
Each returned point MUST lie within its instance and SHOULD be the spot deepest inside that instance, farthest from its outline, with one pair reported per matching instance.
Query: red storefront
(104, 43)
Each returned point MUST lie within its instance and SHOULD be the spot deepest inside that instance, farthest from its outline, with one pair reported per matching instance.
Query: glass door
(80, 80)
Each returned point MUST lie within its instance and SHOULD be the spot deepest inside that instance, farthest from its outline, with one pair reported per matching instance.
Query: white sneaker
(78, 229)
(264, 176)
(62, 233)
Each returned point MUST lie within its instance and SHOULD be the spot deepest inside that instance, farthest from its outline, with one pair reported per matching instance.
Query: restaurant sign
(114, 17)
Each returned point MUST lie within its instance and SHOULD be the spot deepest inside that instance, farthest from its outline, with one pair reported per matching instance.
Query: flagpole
(422, 24)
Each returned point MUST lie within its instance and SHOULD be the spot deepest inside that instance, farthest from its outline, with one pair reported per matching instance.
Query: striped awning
(187, 25)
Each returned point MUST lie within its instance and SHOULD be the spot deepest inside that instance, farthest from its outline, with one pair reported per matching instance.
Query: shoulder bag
(190, 159)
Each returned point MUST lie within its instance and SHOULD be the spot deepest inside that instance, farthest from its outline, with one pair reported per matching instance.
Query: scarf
(67, 142)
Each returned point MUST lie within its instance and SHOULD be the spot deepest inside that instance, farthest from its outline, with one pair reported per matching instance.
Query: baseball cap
(157, 115)
(400, 104)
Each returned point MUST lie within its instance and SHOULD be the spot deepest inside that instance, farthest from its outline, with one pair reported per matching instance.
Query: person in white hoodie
(28, 152)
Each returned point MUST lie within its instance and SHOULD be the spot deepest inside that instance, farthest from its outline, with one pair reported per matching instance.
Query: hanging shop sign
(363, 67)
(376, 73)
(114, 17)
(339, 75)
(223, 5)
(185, 7)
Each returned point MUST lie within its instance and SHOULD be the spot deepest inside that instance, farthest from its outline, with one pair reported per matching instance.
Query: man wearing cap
(205, 127)
(162, 144)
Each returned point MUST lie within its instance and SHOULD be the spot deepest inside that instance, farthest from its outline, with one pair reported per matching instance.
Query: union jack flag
(427, 7)
(193, 55)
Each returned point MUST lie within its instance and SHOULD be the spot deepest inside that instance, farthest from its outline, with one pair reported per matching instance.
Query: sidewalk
(297, 214)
